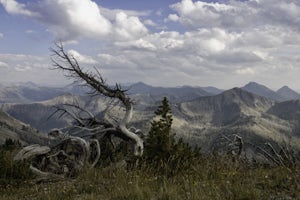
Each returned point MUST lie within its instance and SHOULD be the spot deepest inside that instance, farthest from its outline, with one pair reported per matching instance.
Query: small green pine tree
(160, 141)
(161, 148)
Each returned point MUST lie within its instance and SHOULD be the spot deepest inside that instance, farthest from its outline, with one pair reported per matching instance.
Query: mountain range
(201, 114)
(30, 92)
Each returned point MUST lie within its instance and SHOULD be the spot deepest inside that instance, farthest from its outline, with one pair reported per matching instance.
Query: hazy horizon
(129, 84)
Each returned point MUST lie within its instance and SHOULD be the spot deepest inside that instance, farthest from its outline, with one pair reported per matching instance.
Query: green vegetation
(211, 178)
(12, 172)
(169, 169)
(162, 151)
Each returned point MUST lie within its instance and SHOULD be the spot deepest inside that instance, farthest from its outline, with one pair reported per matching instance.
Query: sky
(221, 43)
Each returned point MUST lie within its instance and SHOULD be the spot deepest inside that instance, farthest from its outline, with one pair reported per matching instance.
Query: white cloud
(237, 14)
(23, 68)
(70, 20)
(13, 7)
(111, 13)
(149, 22)
(245, 71)
(214, 56)
(128, 27)
(24, 61)
(199, 13)
(3, 64)
(172, 17)
(219, 44)
(1, 35)
(138, 44)
(82, 58)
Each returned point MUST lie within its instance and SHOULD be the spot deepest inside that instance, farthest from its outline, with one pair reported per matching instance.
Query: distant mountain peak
(140, 84)
(288, 93)
(255, 84)
(284, 88)
(262, 90)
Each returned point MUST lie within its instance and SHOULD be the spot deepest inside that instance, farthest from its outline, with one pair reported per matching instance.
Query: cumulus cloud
(172, 17)
(13, 7)
(149, 22)
(82, 58)
(236, 14)
(69, 20)
(20, 61)
(22, 67)
(3, 64)
(111, 13)
(215, 43)
(137, 44)
(1, 35)
(213, 55)
(199, 13)
(128, 27)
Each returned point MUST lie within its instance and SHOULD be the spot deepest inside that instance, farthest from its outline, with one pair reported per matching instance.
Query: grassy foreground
(210, 178)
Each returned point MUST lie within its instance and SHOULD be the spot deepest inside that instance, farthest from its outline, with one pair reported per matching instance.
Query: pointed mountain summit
(141, 87)
(262, 90)
(227, 108)
(288, 93)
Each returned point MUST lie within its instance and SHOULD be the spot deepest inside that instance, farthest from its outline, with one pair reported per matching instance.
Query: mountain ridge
(198, 119)
(30, 92)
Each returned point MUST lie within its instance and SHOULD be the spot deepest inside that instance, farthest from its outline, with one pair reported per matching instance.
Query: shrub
(11, 144)
(162, 151)
(12, 171)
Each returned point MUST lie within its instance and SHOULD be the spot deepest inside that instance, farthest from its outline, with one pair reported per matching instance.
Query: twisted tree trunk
(73, 154)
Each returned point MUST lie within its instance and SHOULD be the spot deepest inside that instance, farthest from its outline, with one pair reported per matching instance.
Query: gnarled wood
(31, 151)
(77, 147)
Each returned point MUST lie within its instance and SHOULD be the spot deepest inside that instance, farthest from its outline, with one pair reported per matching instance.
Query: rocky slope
(17, 130)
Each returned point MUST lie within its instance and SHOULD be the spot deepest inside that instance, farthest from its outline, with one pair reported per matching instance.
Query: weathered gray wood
(31, 151)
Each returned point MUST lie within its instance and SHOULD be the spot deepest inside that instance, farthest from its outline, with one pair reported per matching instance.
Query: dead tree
(78, 147)
(229, 144)
(270, 153)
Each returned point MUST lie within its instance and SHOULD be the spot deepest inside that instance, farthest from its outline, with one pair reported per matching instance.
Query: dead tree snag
(79, 147)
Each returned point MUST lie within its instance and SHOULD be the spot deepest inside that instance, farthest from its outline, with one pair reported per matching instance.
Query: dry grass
(210, 178)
